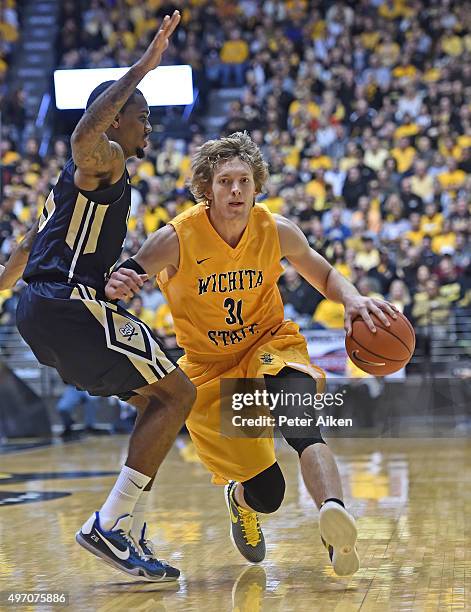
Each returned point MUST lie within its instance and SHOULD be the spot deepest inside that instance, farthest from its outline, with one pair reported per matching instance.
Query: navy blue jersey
(81, 234)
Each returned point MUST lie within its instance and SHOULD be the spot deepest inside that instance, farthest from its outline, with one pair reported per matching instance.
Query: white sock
(138, 515)
(123, 496)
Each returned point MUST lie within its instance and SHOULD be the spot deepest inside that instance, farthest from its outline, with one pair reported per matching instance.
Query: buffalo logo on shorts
(127, 336)
(266, 358)
(128, 331)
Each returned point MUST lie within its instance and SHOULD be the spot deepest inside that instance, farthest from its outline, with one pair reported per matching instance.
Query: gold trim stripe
(81, 239)
(144, 369)
(77, 216)
(96, 310)
(100, 213)
(49, 207)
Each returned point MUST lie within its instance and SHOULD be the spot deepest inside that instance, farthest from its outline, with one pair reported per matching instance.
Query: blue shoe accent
(147, 548)
(118, 548)
(145, 544)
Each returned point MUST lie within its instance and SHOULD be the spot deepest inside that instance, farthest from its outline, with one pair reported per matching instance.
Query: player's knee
(300, 444)
(273, 501)
(182, 398)
(265, 492)
(295, 383)
(177, 398)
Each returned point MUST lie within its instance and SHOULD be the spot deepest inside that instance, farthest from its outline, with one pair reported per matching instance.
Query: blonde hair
(213, 152)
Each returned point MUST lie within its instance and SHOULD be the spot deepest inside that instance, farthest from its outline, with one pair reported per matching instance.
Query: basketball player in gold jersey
(218, 265)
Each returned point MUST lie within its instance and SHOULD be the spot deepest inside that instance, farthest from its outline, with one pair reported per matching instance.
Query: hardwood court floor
(412, 499)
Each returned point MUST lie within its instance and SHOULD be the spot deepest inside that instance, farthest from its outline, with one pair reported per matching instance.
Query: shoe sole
(136, 572)
(338, 529)
(226, 497)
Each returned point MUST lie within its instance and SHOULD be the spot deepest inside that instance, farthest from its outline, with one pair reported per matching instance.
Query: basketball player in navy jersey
(94, 344)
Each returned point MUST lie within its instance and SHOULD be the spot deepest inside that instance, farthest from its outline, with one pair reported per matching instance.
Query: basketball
(384, 352)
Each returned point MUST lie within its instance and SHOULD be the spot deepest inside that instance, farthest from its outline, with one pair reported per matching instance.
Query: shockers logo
(267, 359)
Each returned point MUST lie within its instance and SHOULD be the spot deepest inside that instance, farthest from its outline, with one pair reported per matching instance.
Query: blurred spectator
(298, 293)
(362, 118)
(399, 295)
(369, 287)
(163, 325)
(71, 399)
(453, 178)
(430, 310)
(426, 254)
(412, 202)
(384, 272)
(368, 257)
(404, 155)
(462, 252)
(273, 201)
(444, 243)
(451, 285)
(152, 298)
(315, 235)
(415, 234)
(337, 229)
(236, 122)
(234, 54)
(14, 113)
(354, 187)
(8, 32)
(329, 315)
(136, 307)
(421, 183)
(339, 259)
(431, 223)
(396, 224)
(375, 154)
(422, 276)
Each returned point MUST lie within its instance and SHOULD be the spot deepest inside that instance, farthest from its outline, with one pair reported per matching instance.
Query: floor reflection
(412, 500)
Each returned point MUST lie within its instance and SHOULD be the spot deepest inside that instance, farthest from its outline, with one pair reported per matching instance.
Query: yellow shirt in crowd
(404, 158)
(431, 225)
(234, 52)
(330, 314)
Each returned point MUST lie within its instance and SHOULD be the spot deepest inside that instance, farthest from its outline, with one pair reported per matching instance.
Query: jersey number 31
(234, 310)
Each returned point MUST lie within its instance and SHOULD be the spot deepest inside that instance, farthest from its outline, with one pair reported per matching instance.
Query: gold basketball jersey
(224, 299)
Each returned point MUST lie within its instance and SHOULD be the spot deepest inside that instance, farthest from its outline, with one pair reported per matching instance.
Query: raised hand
(153, 55)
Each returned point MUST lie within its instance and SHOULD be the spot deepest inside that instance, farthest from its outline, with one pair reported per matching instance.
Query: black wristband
(131, 264)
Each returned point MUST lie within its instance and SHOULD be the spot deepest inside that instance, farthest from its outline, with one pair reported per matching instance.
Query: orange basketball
(384, 352)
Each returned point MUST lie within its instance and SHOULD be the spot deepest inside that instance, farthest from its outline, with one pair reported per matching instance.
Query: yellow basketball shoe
(246, 534)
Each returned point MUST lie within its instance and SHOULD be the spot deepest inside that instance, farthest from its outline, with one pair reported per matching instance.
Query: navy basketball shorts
(93, 344)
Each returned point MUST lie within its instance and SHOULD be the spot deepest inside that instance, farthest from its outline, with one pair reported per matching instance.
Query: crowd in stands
(8, 31)
(8, 37)
(361, 108)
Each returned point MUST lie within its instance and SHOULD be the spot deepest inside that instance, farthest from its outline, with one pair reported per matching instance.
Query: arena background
(362, 110)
